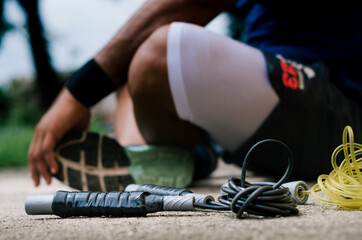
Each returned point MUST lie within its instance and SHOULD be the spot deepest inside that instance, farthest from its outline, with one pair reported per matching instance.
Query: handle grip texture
(156, 190)
(108, 204)
(168, 191)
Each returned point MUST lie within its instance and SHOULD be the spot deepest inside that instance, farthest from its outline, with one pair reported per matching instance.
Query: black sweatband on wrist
(90, 84)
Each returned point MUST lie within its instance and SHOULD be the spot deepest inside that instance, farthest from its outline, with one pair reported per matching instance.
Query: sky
(76, 30)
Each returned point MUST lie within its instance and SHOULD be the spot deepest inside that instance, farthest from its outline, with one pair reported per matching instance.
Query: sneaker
(93, 162)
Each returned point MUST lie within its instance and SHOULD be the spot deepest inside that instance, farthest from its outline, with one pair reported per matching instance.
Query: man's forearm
(115, 58)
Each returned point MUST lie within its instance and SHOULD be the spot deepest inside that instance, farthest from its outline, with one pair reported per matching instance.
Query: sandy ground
(315, 221)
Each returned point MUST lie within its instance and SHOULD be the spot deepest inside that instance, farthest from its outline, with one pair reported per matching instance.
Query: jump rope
(343, 187)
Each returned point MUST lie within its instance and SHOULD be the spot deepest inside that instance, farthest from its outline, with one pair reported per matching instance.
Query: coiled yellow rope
(343, 186)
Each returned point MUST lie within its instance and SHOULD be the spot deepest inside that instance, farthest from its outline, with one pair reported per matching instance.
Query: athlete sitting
(296, 78)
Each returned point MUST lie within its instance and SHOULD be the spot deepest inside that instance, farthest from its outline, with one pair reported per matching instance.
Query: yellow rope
(343, 186)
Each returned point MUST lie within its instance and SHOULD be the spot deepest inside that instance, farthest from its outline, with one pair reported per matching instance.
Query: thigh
(218, 84)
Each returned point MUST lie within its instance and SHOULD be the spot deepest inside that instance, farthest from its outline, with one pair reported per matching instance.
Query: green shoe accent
(160, 165)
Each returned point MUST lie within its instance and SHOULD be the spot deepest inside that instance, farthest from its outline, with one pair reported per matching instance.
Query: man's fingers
(43, 170)
(49, 143)
(49, 157)
(41, 157)
(33, 157)
(34, 174)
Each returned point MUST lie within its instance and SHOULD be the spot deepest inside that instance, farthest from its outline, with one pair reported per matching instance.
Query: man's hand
(65, 114)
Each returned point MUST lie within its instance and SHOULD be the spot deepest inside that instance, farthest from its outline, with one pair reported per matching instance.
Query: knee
(149, 66)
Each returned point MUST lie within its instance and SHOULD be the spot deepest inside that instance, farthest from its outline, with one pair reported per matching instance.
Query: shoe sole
(93, 162)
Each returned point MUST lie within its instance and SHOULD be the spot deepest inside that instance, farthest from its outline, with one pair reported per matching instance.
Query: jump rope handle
(109, 204)
(168, 191)
(297, 189)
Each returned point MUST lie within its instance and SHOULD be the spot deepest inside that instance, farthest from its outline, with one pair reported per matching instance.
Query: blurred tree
(5, 103)
(2, 20)
(47, 84)
(4, 25)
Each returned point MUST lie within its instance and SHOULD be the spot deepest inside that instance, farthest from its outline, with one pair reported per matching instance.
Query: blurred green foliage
(14, 144)
(18, 116)
(15, 141)
(21, 104)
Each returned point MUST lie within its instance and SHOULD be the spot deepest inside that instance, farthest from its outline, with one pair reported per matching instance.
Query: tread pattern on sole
(91, 162)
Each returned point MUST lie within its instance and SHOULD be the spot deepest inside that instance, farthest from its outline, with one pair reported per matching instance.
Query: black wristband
(90, 84)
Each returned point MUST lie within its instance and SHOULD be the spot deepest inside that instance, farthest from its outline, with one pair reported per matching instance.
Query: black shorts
(310, 119)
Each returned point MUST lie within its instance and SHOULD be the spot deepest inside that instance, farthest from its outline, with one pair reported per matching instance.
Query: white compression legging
(218, 84)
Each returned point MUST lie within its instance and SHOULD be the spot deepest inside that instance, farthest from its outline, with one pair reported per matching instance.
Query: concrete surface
(315, 221)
